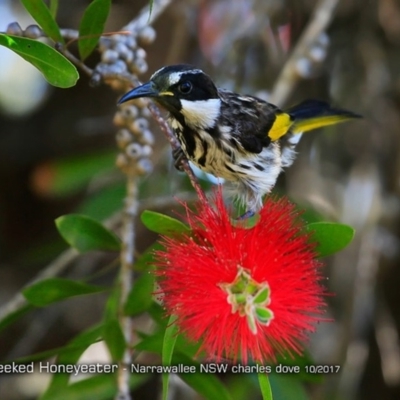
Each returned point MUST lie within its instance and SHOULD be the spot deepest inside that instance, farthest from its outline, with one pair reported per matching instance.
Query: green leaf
(151, 3)
(80, 344)
(331, 237)
(207, 385)
(162, 224)
(115, 339)
(53, 8)
(265, 386)
(100, 387)
(140, 297)
(147, 257)
(287, 387)
(43, 16)
(92, 25)
(112, 305)
(15, 315)
(55, 289)
(85, 234)
(56, 69)
(152, 343)
(76, 348)
(167, 351)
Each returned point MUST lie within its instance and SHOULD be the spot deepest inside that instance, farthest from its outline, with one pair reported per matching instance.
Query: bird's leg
(178, 156)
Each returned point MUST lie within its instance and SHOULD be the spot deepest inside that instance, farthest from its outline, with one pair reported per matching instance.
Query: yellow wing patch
(280, 127)
(318, 122)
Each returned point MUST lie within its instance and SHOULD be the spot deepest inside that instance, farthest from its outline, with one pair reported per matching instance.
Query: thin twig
(53, 269)
(126, 282)
(288, 78)
(76, 61)
(145, 18)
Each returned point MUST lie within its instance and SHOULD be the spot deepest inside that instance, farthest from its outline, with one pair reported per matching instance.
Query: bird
(240, 138)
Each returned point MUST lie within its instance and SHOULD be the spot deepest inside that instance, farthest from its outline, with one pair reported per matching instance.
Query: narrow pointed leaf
(76, 346)
(92, 26)
(265, 386)
(331, 237)
(85, 234)
(53, 8)
(56, 69)
(162, 224)
(140, 297)
(114, 338)
(207, 385)
(79, 343)
(15, 315)
(151, 3)
(167, 352)
(285, 386)
(43, 16)
(55, 289)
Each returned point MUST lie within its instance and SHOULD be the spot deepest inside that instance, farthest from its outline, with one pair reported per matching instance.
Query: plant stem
(323, 13)
(126, 282)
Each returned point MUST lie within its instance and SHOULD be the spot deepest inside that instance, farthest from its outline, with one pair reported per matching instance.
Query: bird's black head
(185, 91)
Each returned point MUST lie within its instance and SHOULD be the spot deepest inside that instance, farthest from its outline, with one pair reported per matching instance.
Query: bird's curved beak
(145, 90)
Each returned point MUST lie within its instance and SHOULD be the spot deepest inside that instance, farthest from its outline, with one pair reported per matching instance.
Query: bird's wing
(251, 120)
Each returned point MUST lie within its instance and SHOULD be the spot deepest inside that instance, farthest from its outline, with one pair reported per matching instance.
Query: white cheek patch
(201, 113)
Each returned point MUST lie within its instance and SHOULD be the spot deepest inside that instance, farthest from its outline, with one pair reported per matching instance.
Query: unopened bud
(317, 54)
(139, 66)
(139, 125)
(146, 137)
(147, 35)
(130, 112)
(123, 138)
(134, 151)
(33, 32)
(131, 42)
(14, 29)
(144, 166)
(109, 56)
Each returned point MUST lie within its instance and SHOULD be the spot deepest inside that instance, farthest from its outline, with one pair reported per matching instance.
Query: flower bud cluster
(308, 65)
(31, 31)
(123, 53)
(134, 138)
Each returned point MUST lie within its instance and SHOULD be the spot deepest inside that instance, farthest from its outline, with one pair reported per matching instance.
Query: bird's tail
(306, 116)
(313, 114)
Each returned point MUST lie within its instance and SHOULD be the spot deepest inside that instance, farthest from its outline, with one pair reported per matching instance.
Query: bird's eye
(185, 87)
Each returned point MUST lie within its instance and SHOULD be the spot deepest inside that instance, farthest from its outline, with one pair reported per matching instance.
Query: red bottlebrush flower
(243, 292)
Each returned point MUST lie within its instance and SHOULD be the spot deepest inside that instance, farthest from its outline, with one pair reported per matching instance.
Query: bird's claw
(178, 156)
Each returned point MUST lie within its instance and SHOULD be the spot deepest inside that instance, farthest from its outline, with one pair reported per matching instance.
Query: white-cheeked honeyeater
(240, 138)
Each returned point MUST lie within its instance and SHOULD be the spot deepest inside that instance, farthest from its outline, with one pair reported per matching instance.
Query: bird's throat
(201, 114)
